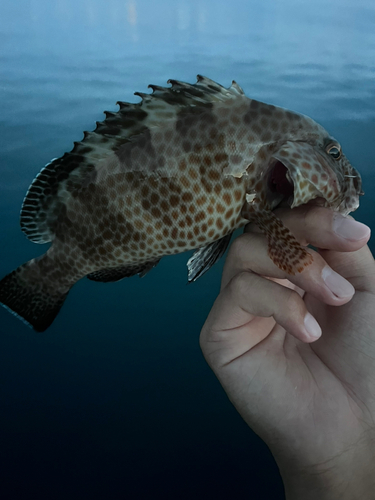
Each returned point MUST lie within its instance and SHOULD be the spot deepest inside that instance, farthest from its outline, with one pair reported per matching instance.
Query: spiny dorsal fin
(54, 184)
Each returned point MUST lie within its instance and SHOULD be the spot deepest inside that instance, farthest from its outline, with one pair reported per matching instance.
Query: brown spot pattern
(171, 187)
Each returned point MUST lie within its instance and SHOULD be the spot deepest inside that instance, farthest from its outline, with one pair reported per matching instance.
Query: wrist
(348, 486)
(350, 476)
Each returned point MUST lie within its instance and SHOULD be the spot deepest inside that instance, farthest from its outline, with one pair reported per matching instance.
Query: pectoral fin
(283, 248)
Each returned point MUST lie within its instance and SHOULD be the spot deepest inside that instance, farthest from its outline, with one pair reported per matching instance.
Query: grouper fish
(180, 170)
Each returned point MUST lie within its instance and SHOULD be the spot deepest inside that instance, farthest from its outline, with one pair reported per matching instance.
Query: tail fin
(25, 293)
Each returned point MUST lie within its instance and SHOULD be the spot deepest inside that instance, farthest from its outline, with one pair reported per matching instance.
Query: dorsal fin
(54, 184)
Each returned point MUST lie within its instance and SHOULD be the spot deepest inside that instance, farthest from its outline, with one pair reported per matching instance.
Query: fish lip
(315, 202)
(319, 201)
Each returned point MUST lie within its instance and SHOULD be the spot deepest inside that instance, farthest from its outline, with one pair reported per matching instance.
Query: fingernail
(349, 229)
(338, 285)
(312, 326)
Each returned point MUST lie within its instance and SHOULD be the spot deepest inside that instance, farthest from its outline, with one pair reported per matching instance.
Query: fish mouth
(280, 187)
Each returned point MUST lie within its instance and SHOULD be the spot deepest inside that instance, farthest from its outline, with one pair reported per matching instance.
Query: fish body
(179, 171)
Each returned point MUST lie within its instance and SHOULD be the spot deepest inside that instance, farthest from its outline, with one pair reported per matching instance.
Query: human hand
(312, 401)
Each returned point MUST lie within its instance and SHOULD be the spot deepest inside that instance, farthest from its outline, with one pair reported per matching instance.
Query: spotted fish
(180, 170)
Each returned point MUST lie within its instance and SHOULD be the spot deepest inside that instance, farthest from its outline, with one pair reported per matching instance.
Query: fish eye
(334, 151)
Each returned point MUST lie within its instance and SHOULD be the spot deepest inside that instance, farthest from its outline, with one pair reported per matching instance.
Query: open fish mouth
(298, 174)
(280, 187)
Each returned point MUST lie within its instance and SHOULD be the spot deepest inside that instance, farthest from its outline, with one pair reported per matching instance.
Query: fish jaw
(352, 190)
(313, 175)
(309, 173)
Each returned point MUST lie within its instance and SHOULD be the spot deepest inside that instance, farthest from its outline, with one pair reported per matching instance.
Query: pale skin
(310, 398)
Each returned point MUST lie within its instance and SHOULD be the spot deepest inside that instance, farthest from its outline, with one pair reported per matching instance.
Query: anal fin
(121, 272)
(204, 258)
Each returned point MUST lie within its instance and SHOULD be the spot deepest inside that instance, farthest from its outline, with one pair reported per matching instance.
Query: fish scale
(180, 170)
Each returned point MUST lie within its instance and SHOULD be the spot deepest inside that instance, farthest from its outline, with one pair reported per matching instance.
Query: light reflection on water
(62, 63)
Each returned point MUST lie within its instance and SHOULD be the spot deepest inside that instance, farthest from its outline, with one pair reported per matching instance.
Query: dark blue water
(115, 400)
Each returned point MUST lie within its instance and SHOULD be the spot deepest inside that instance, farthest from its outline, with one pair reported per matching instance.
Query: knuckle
(293, 302)
(242, 245)
(309, 221)
(316, 215)
(240, 283)
(244, 284)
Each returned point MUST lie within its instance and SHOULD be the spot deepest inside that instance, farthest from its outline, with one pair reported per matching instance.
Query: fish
(180, 170)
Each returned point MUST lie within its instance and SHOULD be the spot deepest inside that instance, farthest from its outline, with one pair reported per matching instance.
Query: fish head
(301, 171)
(308, 165)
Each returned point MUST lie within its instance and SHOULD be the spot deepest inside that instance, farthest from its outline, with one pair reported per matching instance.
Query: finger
(249, 252)
(357, 267)
(232, 321)
(322, 228)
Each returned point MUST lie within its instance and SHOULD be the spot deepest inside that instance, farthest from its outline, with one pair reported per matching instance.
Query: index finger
(322, 228)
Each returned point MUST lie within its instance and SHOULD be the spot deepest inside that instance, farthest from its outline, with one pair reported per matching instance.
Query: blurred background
(115, 400)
